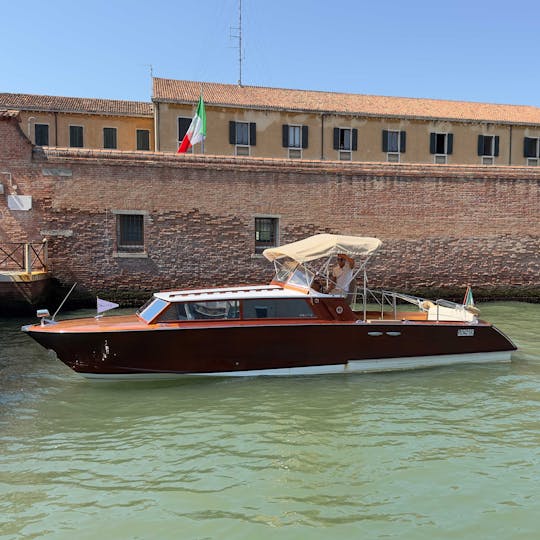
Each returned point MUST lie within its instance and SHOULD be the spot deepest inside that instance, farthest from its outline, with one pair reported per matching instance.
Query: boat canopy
(324, 245)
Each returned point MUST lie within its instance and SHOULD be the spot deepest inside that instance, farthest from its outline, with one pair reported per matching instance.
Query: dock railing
(24, 257)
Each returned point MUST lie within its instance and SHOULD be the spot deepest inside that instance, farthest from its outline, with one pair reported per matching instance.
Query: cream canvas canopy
(324, 245)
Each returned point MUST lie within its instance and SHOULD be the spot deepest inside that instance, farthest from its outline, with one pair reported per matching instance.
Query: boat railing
(387, 301)
(24, 256)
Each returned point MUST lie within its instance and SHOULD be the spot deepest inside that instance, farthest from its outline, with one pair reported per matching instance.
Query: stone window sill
(130, 255)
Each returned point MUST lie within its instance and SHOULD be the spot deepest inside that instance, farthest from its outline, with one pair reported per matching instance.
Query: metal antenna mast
(239, 38)
(240, 43)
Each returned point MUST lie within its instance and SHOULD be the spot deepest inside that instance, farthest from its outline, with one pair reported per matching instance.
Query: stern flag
(104, 305)
(468, 300)
(196, 131)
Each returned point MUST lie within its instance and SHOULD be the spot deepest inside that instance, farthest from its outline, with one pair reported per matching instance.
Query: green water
(433, 454)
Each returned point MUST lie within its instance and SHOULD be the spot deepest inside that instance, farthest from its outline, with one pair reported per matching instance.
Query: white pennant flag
(104, 305)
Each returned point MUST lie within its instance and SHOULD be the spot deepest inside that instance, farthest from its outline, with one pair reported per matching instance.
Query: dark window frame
(41, 134)
(143, 143)
(130, 233)
(76, 136)
(266, 232)
(110, 138)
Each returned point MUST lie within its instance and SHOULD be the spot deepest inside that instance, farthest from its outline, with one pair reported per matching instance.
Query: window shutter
(252, 133)
(354, 139)
(304, 136)
(432, 143)
(336, 138)
(385, 140)
(450, 143)
(285, 135)
(402, 141)
(480, 145)
(526, 147)
(496, 153)
(232, 132)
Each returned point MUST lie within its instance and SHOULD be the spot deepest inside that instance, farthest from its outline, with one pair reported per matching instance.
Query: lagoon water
(446, 453)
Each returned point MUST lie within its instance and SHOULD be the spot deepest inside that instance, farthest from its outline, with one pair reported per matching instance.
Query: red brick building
(123, 224)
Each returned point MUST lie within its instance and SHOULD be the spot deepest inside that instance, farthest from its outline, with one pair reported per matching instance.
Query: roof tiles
(75, 105)
(231, 95)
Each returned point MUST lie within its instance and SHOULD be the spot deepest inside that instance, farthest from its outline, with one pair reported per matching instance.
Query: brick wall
(441, 226)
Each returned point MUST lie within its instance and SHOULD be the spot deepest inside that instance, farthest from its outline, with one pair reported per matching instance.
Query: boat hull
(279, 349)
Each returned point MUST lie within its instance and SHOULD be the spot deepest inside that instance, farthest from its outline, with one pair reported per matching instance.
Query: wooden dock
(25, 277)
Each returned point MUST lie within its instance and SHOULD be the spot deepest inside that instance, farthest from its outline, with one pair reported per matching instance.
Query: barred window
(266, 233)
(130, 232)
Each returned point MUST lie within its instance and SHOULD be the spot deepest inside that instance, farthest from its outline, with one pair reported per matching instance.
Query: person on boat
(341, 275)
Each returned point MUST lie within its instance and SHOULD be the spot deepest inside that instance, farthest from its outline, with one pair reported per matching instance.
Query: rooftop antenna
(239, 38)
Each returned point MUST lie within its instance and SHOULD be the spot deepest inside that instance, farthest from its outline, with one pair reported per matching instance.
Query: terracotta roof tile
(31, 102)
(6, 114)
(168, 90)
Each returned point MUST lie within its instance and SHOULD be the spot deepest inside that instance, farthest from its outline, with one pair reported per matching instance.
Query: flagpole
(202, 142)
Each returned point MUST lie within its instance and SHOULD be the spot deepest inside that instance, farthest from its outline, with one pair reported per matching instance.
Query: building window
(143, 139)
(531, 150)
(441, 146)
(345, 142)
(76, 136)
(488, 148)
(394, 144)
(183, 126)
(41, 134)
(294, 138)
(130, 232)
(266, 233)
(243, 135)
(109, 138)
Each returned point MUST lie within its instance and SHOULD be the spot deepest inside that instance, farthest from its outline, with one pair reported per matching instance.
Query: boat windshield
(153, 307)
(294, 273)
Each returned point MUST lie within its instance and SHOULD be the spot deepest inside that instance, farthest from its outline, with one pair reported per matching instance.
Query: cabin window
(76, 139)
(143, 139)
(266, 233)
(109, 138)
(149, 311)
(130, 232)
(192, 311)
(41, 134)
(277, 308)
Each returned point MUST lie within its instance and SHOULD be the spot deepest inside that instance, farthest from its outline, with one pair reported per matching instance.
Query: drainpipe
(156, 127)
(30, 128)
(322, 137)
(55, 129)
(510, 151)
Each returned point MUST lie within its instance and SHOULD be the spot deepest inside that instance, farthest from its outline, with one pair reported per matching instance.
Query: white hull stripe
(354, 366)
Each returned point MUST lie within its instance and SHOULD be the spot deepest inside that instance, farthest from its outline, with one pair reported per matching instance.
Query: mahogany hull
(268, 348)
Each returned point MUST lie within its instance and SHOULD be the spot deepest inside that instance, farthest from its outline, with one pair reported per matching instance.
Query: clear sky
(454, 49)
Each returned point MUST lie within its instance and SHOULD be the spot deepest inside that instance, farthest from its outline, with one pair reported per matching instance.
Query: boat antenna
(64, 300)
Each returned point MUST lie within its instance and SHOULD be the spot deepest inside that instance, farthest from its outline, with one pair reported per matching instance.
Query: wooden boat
(306, 321)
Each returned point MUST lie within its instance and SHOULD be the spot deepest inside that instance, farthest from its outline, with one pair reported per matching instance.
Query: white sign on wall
(19, 202)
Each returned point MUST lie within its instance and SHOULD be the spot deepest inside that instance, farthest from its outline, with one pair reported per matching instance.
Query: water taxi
(317, 316)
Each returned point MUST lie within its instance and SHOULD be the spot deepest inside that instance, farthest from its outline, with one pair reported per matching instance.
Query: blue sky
(462, 50)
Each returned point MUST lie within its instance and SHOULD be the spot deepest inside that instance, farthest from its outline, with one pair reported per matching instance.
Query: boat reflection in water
(314, 317)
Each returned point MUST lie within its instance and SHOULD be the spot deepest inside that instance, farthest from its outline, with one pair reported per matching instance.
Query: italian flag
(197, 129)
